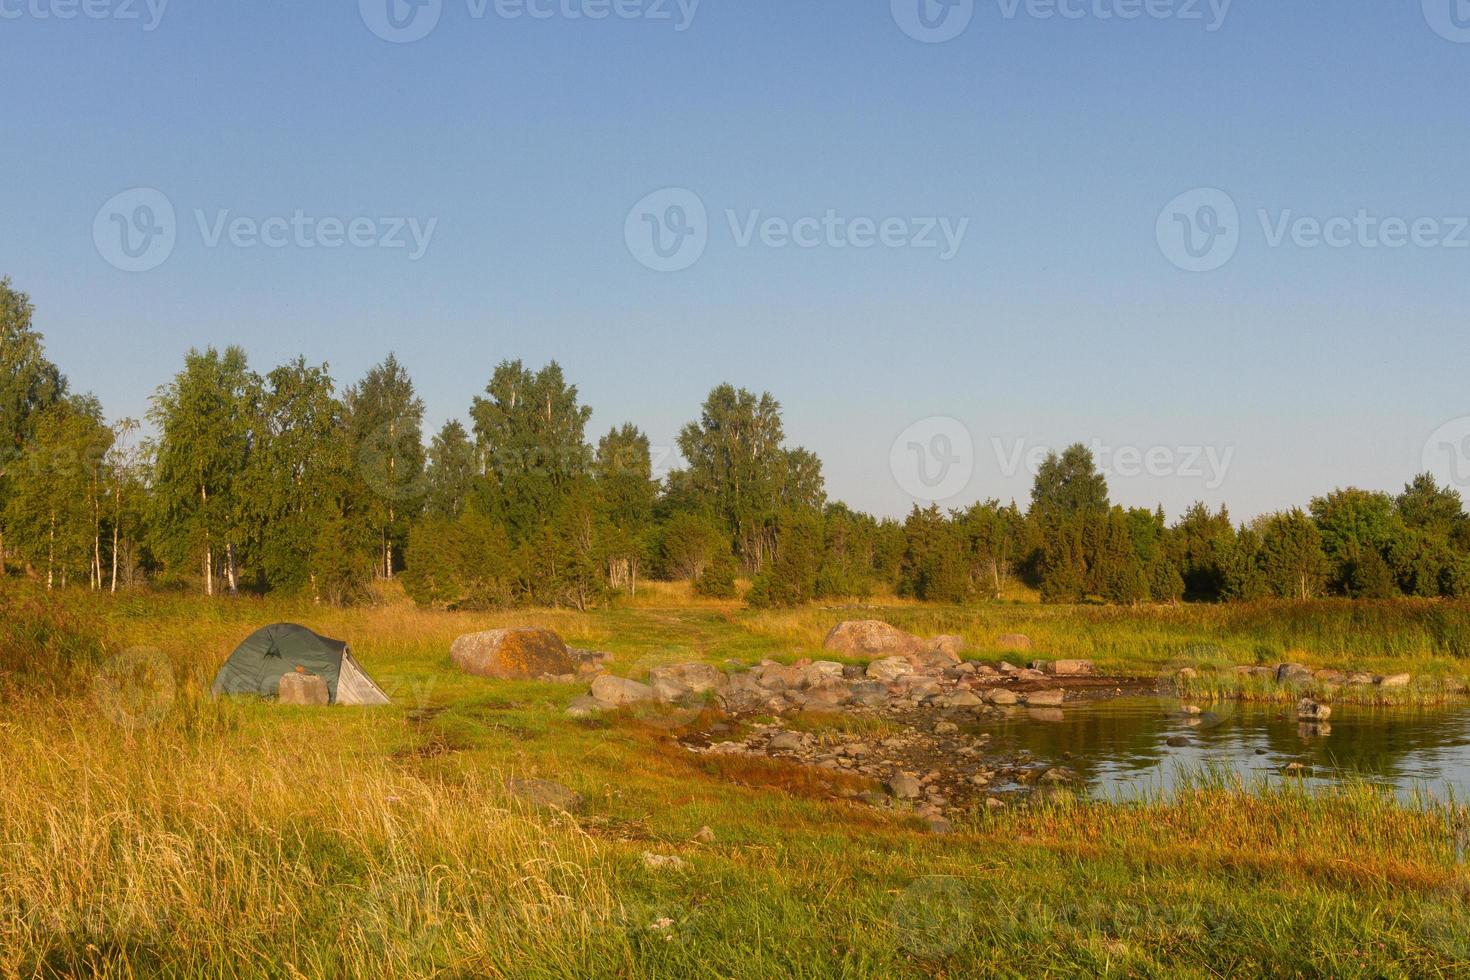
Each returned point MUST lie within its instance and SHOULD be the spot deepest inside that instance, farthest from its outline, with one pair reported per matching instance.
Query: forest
(287, 483)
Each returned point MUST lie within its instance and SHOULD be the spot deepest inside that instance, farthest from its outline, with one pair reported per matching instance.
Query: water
(1119, 747)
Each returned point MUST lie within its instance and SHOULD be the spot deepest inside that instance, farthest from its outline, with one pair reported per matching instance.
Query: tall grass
(164, 833)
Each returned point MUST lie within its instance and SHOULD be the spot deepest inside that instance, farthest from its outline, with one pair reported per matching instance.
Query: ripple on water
(1131, 746)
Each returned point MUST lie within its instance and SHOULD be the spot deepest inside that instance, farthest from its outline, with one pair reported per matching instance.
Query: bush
(460, 564)
(718, 579)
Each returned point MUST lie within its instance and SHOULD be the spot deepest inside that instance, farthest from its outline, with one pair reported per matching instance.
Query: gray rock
(1309, 710)
(1070, 668)
(889, 669)
(1046, 698)
(786, 742)
(586, 706)
(1395, 680)
(963, 699)
(1177, 741)
(620, 690)
(674, 682)
(905, 787)
(1292, 674)
(949, 645)
(946, 728)
(1000, 696)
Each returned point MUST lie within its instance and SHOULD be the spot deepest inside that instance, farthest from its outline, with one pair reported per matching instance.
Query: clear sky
(1050, 147)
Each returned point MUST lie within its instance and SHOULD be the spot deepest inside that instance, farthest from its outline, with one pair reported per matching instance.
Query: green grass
(157, 832)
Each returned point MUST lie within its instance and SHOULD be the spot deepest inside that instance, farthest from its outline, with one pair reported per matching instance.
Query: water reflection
(1122, 748)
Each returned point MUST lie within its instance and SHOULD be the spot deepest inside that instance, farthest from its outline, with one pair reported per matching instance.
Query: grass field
(148, 830)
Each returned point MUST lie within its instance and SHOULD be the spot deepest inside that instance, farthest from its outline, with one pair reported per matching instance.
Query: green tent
(257, 665)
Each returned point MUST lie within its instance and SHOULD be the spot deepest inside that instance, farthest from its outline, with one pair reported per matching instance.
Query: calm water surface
(1120, 749)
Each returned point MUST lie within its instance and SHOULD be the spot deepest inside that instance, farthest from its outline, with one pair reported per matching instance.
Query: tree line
(285, 483)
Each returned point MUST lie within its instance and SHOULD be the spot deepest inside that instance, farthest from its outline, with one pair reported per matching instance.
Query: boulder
(1309, 710)
(778, 677)
(306, 689)
(999, 695)
(1292, 674)
(889, 669)
(931, 661)
(512, 654)
(1069, 668)
(616, 691)
(949, 645)
(677, 682)
(905, 787)
(786, 742)
(585, 707)
(1394, 680)
(1013, 641)
(1046, 698)
(871, 638)
(743, 692)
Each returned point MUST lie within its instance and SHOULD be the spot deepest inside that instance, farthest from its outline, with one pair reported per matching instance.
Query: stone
(1057, 775)
(889, 669)
(963, 699)
(586, 706)
(675, 682)
(1359, 679)
(786, 742)
(999, 695)
(939, 825)
(871, 638)
(905, 787)
(516, 653)
(779, 677)
(931, 662)
(948, 645)
(946, 728)
(1310, 710)
(1292, 674)
(742, 692)
(704, 836)
(1177, 741)
(662, 862)
(545, 793)
(822, 670)
(991, 803)
(830, 694)
(1051, 698)
(1070, 668)
(1330, 676)
(1030, 675)
(1013, 641)
(1395, 680)
(616, 691)
(303, 689)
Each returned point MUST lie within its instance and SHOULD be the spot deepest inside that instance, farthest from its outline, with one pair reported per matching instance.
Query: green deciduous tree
(452, 471)
(740, 470)
(29, 384)
(57, 485)
(204, 417)
(1291, 557)
(385, 420)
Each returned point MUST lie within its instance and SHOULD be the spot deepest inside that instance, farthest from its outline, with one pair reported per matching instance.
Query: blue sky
(527, 141)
